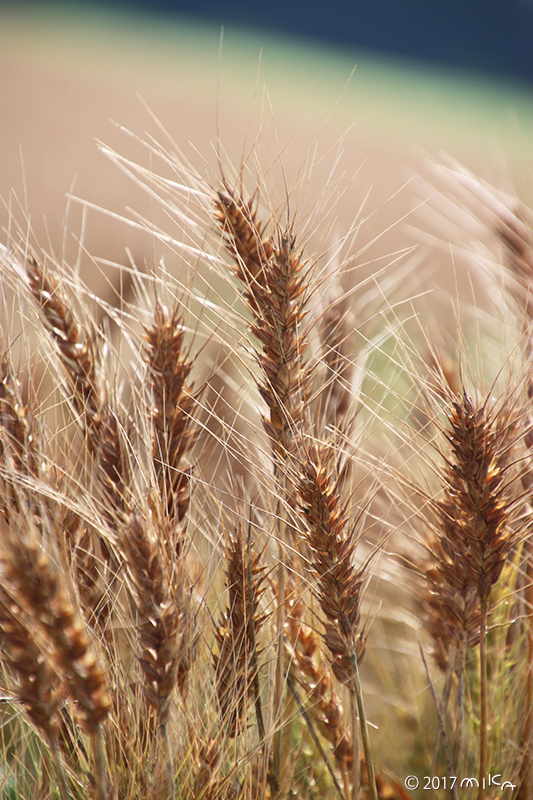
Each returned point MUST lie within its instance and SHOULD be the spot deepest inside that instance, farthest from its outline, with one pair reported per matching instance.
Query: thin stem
(255, 665)
(450, 671)
(356, 767)
(170, 763)
(346, 781)
(459, 736)
(316, 740)
(526, 787)
(60, 772)
(363, 724)
(483, 697)
(280, 672)
(446, 692)
(99, 771)
(280, 660)
(441, 723)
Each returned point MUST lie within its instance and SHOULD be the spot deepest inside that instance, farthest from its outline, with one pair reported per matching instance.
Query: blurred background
(490, 36)
(431, 78)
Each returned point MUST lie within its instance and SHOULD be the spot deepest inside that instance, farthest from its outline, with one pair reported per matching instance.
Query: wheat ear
(172, 404)
(171, 409)
(273, 283)
(18, 446)
(37, 687)
(76, 345)
(37, 587)
(35, 581)
(236, 668)
(78, 353)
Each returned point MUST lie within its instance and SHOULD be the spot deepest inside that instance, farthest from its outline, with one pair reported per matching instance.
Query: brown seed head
(173, 406)
(160, 619)
(332, 542)
(480, 490)
(273, 282)
(36, 683)
(236, 632)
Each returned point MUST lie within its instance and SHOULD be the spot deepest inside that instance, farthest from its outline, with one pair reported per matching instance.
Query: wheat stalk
(339, 583)
(473, 538)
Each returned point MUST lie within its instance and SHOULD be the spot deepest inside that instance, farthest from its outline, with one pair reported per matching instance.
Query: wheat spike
(76, 344)
(236, 668)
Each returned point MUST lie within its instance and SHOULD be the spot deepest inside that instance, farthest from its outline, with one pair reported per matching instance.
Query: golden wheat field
(265, 423)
